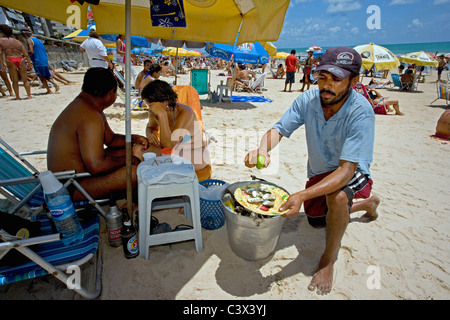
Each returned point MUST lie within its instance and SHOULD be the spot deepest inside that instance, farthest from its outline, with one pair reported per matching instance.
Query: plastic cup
(149, 155)
(166, 151)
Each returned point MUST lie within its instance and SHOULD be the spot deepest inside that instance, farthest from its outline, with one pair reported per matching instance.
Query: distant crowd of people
(25, 62)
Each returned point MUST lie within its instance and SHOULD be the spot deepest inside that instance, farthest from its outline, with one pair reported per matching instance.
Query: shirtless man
(174, 125)
(143, 73)
(244, 76)
(80, 133)
(15, 55)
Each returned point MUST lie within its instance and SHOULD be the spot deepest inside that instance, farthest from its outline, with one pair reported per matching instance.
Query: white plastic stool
(160, 196)
(220, 90)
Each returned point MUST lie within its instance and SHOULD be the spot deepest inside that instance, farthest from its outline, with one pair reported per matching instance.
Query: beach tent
(378, 56)
(225, 21)
(420, 59)
(251, 53)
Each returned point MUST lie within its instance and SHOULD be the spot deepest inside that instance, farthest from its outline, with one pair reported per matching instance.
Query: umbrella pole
(176, 68)
(128, 107)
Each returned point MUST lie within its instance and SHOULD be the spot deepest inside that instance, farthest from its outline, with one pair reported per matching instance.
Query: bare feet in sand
(322, 280)
(371, 213)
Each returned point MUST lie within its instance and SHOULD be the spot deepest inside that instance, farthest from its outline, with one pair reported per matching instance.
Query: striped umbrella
(378, 56)
(79, 35)
(419, 58)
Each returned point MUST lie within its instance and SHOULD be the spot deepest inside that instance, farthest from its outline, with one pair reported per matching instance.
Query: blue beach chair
(397, 82)
(200, 80)
(20, 185)
(51, 256)
(19, 181)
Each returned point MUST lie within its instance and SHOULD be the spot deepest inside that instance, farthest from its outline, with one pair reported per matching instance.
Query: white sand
(408, 245)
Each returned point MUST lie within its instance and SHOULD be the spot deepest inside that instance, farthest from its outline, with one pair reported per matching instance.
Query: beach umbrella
(79, 35)
(270, 48)
(205, 20)
(317, 54)
(251, 53)
(194, 53)
(378, 56)
(193, 20)
(431, 54)
(175, 52)
(420, 59)
(281, 55)
(316, 48)
(135, 40)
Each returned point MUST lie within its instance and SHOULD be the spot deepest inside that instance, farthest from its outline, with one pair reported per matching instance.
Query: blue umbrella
(135, 40)
(251, 53)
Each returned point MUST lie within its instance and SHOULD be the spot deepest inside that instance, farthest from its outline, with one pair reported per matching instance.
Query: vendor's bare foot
(322, 280)
(372, 214)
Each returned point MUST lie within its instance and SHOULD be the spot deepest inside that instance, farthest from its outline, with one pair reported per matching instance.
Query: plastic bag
(212, 192)
(165, 170)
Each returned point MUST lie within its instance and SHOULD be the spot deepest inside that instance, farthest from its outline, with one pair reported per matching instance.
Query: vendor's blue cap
(340, 61)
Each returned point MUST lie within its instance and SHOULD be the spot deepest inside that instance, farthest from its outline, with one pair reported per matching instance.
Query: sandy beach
(408, 246)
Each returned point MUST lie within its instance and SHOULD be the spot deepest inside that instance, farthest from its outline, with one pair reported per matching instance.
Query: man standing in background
(38, 54)
(291, 62)
(96, 51)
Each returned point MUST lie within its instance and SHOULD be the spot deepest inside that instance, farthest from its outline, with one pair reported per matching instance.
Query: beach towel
(235, 98)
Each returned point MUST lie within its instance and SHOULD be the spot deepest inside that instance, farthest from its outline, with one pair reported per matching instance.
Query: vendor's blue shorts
(43, 72)
(290, 77)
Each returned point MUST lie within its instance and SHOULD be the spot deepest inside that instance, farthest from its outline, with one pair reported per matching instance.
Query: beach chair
(19, 181)
(443, 92)
(20, 185)
(200, 80)
(415, 83)
(258, 84)
(50, 256)
(136, 102)
(379, 108)
(397, 83)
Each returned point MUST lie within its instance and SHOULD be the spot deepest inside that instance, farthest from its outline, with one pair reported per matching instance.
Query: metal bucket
(251, 238)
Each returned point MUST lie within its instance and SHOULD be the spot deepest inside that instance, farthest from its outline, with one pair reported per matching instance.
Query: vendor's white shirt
(95, 51)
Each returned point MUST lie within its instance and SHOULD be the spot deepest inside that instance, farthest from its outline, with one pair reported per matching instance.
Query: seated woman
(174, 125)
(377, 98)
(443, 126)
(280, 71)
(154, 72)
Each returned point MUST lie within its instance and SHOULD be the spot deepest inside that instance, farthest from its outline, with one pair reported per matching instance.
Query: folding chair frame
(20, 245)
(442, 90)
(70, 176)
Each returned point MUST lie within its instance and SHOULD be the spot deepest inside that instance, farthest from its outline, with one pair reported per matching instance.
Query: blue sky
(344, 22)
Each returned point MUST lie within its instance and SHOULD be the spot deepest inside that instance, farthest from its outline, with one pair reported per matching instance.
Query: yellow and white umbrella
(373, 54)
(270, 48)
(420, 58)
(171, 51)
(280, 55)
